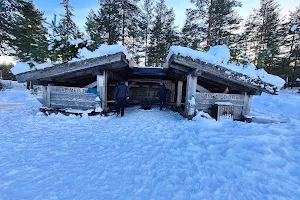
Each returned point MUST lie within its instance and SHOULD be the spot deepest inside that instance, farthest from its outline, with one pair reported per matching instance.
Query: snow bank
(220, 55)
(22, 67)
(8, 84)
(50, 157)
(103, 50)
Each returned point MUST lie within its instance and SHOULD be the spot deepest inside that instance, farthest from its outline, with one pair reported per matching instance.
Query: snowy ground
(148, 155)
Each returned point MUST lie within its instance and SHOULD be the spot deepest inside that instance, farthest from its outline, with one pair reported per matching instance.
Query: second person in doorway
(121, 94)
(162, 93)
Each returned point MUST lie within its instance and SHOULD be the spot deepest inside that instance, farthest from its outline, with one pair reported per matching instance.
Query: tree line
(147, 29)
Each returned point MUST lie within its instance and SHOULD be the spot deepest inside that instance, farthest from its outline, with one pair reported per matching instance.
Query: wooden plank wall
(204, 102)
(75, 98)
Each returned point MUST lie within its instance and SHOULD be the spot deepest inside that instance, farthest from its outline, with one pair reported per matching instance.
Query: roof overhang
(93, 66)
(217, 74)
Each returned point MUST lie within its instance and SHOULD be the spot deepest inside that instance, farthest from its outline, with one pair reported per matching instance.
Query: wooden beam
(202, 89)
(191, 86)
(48, 97)
(94, 84)
(218, 72)
(114, 76)
(179, 93)
(131, 84)
(173, 92)
(103, 62)
(215, 79)
(44, 90)
(146, 80)
(181, 68)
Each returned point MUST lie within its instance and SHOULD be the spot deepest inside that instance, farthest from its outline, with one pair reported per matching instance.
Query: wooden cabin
(67, 85)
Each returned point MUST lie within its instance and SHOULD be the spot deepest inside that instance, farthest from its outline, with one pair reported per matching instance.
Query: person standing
(162, 91)
(121, 94)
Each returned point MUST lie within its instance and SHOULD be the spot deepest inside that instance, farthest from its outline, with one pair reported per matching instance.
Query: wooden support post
(48, 93)
(44, 90)
(173, 88)
(102, 89)
(247, 104)
(179, 93)
(191, 86)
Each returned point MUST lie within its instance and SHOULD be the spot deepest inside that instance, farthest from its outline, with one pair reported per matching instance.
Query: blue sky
(82, 8)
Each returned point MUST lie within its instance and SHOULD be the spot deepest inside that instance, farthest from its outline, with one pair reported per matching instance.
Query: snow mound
(22, 67)
(220, 55)
(104, 50)
(221, 52)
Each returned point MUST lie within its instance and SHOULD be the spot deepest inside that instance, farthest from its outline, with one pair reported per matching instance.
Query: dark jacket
(121, 91)
(162, 91)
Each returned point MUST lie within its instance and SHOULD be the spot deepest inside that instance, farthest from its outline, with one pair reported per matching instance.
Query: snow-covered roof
(103, 50)
(220, 55)
(22, 67)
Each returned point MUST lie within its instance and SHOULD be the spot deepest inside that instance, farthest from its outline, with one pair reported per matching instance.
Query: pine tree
(92, 28)
(104, 26)
(163, 34)
(8, 11)
(66, 39)
(292, 43)
(148, 18)
(27, 36)
(221, 19)
(133, 25)
(192, 33)
(268, 34)
(67, 26)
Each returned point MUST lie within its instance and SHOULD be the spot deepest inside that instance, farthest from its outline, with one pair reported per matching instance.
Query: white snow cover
(294, 27)
(149, 155)
(22, 67)
(220, 55)
(104, 50)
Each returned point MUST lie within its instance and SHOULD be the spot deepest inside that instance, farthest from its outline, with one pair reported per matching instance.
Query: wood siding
(75, 98)
(204, 102)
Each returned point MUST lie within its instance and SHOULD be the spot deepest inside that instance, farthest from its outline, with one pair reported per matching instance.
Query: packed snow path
(148, 154)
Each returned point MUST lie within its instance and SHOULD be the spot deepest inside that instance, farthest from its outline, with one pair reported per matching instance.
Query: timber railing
(68, 97)
(241, 102)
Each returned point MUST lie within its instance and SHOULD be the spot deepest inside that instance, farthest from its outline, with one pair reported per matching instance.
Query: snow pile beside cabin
(84, 53)
(220, 55)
